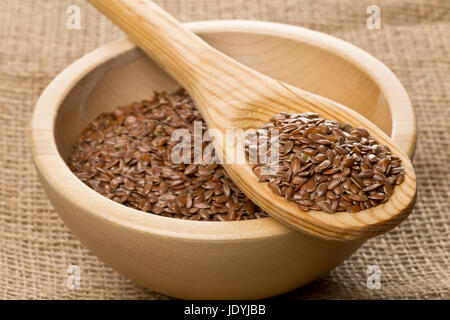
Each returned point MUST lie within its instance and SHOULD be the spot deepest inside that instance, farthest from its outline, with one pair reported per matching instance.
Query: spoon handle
(184, 55)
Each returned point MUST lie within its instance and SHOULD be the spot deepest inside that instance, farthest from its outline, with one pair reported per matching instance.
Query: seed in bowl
(126, 155)
(324, 165)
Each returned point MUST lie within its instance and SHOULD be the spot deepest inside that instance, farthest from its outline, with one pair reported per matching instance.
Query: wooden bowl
(194, 259)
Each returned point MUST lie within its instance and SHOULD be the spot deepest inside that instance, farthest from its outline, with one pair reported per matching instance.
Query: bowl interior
(132, 76)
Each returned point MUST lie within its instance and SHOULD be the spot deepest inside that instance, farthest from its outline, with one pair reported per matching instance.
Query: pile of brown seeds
(126, 156)
(324, 165)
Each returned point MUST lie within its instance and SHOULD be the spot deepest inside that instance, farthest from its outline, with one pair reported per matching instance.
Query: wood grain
(231, 95)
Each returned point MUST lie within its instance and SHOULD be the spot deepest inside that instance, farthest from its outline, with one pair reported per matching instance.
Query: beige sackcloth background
(35, 246)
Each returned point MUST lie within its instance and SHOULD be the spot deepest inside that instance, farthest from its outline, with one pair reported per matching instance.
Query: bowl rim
(53, 169)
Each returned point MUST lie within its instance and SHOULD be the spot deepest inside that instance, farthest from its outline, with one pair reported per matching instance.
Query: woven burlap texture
(35, 246)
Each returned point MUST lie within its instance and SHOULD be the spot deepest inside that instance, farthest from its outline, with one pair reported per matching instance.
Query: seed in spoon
(351, 171)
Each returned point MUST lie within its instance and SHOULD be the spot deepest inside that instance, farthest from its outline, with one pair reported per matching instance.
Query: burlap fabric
(35, 45)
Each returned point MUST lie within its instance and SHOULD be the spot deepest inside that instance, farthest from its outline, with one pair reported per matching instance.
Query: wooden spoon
(231, 95)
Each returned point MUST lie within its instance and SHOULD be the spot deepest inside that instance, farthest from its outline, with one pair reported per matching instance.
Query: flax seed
(126, 156)
(325, 165)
